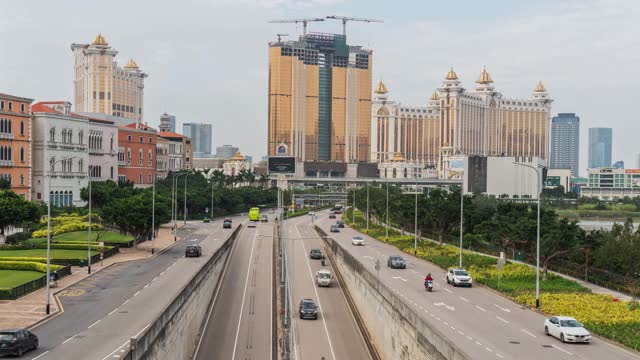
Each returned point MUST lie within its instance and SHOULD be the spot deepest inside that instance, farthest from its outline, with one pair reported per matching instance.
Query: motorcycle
(428, 285)
(322, 262)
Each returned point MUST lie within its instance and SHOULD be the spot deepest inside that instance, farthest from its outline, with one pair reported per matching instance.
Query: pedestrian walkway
(30, 309)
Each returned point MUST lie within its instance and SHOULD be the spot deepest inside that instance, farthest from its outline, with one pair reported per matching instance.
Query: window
(52, 164)
(80, 137)
(150, 140)
(129, 138)
(140, 157)
(10, 106)
(140, 179)
(111, 142)
(140, 139)
(69, 136)
(21, 179)
(2, 105)
(80, 165)
(22, 107)
(21, 127)
(21, 154)
(52, 135)
(149, 178)
(111, 172)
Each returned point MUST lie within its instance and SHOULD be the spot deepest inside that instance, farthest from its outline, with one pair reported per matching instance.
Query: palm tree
(263, 180)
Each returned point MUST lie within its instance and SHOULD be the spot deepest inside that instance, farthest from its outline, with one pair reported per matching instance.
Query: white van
(323, 277)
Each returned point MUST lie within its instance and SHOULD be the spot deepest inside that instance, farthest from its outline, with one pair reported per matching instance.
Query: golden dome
(131, 65)
(435, 96)
(381, 88)
(451, 75)
(99, 40)
(540, 87)
(398, 157)
(484, 78)
(238, 156)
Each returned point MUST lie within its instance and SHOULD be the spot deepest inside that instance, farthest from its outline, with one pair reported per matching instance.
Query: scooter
(428, 285)
(322, 262)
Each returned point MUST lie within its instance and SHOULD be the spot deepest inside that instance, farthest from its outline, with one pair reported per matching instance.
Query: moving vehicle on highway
(332, 215)
(357, 240)
(316, 254)
(226, 224)
(396, 262)
(567, 329)
(308, 309)
(252, 223)
(254, 214)
(264, 218)
(193, 251)
(459, 277)
(323, 277)
(340, 223)
(337, 208)
(17, 342)
(335, 228)
(312, 213)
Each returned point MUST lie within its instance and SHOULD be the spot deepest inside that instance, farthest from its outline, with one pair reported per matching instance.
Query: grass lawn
(12, 278)
(81, 236)
(42, 253)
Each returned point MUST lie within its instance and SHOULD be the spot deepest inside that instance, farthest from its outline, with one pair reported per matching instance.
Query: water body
(599, 224)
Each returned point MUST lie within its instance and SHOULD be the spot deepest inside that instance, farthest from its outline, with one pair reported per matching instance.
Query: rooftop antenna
(346, 18)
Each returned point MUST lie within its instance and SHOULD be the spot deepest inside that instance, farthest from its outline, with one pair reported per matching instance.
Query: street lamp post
(367, 207)
(461, 217)
(387, 214)
(53, 166)
(353, 206)
(153, 217)
(415, 230)
(89, 228)
(539, 180)
(185, 198)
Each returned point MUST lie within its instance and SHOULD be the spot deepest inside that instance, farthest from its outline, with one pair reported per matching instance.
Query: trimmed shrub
(27, 266)
(17, 238)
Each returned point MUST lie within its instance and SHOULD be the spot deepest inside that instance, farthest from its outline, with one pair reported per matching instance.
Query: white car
(312, 213)
(459, 277)
(252, 224)
(567, 329)
(357, 240)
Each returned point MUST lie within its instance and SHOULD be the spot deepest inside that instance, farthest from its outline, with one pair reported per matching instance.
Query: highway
(104, 310)
(239, 323)
(482, 323)
(335, 334)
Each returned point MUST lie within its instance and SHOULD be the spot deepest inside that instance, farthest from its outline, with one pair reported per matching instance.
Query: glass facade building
(201, 138)
(600, 143)
(565, 143)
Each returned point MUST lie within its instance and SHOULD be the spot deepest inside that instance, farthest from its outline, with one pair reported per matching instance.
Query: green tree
(559, 238)
(14, 210)
(443, 211)
(4, 184)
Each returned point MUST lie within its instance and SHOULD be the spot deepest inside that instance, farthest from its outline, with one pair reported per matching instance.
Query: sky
(207, 60)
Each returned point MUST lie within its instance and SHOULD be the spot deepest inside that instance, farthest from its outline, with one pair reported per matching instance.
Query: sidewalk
(30, 309)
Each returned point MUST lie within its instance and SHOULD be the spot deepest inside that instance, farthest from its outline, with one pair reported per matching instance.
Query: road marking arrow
(501, 308)
(399, 278)
(445, 305)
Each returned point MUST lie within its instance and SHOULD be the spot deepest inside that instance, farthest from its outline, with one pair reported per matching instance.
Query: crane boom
(295, 21)
(346, 18)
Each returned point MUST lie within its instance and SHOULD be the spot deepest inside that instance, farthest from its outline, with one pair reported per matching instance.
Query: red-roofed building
(137, 154)
(15, 143)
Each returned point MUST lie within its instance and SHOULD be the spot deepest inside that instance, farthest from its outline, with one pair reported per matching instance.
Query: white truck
(323, 278)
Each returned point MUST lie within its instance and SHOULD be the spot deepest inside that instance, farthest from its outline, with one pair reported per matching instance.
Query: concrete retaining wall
(174, 333)
(397, 331)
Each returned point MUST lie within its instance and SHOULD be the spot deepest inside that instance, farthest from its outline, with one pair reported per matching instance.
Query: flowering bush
(65, 228)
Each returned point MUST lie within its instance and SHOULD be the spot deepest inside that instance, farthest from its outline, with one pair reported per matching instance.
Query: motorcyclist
(428, 278)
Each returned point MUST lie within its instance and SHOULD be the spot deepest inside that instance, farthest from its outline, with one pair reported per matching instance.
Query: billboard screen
(282, 165)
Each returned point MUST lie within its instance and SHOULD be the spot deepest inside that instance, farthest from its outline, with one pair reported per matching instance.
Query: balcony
(122, 163)
(6, 163)
(7, 136)
(68, 175)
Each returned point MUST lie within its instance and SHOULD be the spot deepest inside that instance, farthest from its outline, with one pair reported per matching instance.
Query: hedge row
(26, 265)
(65, 228)
(60, 246)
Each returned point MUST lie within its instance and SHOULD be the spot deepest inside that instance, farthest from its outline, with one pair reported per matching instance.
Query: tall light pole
(367, 207)
(353, 211)
(461, 217)
(539, 180)
(53, 166)
(185, 198)
(153, 217)
(415, 230)
(89, 229)
(387, 214)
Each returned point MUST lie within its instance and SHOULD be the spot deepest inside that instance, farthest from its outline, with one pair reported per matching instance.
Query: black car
(193, 251)
(17, 341)
(316, 254)
(226, 224)
(340, 223)
(335, 228)
(308, 309)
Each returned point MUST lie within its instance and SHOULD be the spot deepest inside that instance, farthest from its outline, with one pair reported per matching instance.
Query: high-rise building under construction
(320, 99)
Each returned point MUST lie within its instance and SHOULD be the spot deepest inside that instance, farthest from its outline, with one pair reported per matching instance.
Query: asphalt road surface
(104, 310)
(482, 323)
(239, 322)
(334, 335)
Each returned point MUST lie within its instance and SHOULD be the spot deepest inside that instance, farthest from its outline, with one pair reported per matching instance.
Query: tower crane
(296, 21)
(345, 19)
(280, 37)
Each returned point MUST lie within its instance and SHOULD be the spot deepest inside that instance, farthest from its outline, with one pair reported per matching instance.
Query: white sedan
(567, 329)
(357, 240)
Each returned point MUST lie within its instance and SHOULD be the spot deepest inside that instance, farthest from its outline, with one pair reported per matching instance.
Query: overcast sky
(207, 59)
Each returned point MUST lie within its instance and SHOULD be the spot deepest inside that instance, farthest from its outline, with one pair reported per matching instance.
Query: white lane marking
(399, 278)
(501, 308)
(365, 256)
(162, 273)
(500, 356)
(155, 278)
(470, 338)
(449, 291)
(126, 301)
(451, 308)
(136, 294)
(561, 349)
(446, 323)
(460, 332)
(112, 311)
(114, 351)
(244, 295)
(94, 324)
(463, 299)
(481, 308)
(489, 350)
(324, 322)
(41, 355)
(528, 333)
(478, 343)
(69, 339)
(501, 319)
(143, 329)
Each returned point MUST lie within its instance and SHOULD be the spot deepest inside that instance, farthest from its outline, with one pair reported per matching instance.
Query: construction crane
(280, 36)
(345, 19)
(296, 21)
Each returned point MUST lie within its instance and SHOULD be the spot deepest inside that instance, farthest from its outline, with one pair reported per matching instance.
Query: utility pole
(153, 217)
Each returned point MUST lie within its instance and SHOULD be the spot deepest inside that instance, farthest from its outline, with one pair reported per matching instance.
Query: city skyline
(568, 29)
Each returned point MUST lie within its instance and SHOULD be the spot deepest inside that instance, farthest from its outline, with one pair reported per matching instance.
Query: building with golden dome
(458, 122)
(101, 86)
(237, 163)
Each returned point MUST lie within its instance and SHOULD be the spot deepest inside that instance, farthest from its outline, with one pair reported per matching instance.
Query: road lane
(335, 334)
(482, 323)
(239, 323)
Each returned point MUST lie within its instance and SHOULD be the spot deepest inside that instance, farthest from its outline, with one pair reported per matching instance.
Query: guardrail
(33, 285)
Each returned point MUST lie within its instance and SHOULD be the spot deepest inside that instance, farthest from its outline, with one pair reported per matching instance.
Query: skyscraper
(167, 122)
(320, 99)
(600, 140)
(226, 151)
(565, 143)
(101, 86)
(201, 135)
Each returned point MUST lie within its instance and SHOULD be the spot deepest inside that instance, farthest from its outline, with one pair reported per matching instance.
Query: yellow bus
(254, 214)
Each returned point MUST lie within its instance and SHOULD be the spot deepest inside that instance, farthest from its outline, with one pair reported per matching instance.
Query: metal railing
(32, 285)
